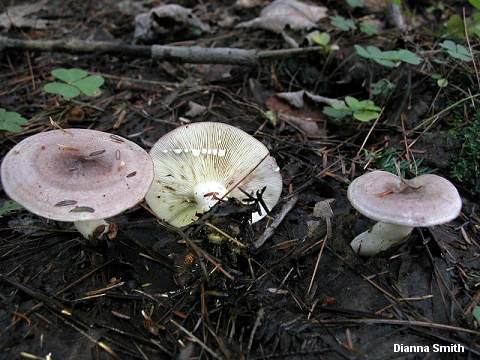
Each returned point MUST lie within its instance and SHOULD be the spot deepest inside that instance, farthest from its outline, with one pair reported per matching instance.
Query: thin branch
(287, 207)
(182, 54)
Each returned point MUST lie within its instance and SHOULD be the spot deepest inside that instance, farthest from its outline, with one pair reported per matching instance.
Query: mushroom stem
(379, 238)
(90, 229)
(207, 194)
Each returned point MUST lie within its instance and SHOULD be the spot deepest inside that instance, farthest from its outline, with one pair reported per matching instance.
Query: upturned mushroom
(197, 165)
(399, 205)
(77, 175)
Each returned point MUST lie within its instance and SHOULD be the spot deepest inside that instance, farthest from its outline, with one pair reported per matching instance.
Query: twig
(196, 339)
(400, 322)
(183, 54)
(276, 222)
(258, 321)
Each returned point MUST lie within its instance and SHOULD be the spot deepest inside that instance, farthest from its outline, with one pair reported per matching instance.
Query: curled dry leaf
(292, 13)
(247, 4)
(195, 109)
(158, 21)
(296, 98)
(305, 119)
(21, 16)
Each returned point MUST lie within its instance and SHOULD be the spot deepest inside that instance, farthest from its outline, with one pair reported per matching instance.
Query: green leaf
(476, 313)
(355, 3)
(475, 4)
(361, 51)
(8, 206)
(365, 115)
(442, 82)
(456, 51)
(408, 57)
(369, 28)
(65, 90)
(336, 113)
(69, 75)
(322, 39)
(342, 23)
(353, 103)
(11, 121)
(272, 116)
(388, 58)
(90, 85)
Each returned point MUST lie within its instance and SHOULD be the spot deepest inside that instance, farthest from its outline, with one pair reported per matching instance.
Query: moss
(465, 167)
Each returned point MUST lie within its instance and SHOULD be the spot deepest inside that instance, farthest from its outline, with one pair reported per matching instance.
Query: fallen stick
(287, 207)
(183, 54)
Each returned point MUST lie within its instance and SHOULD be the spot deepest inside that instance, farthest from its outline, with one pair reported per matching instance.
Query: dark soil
(156, 292)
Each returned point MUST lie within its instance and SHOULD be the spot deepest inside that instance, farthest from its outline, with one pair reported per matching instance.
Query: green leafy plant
(455, 26)
(355, 3)
(475, 4)
(389, 158)
(387, 58)
(362, 110)
(74, 82)
(369, 28)
(456, 51)
(11, 121)
(8, 206)
(342, 23)
(382, 87)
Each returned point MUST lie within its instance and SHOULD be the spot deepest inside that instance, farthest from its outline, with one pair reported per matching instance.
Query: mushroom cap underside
(209, 153)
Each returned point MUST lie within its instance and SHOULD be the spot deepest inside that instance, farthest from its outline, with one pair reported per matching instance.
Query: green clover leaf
(11, 121)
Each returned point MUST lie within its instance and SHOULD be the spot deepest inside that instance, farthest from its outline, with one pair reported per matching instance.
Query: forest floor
(155, 292)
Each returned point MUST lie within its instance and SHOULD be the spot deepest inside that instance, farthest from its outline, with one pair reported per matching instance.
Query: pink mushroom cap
(76, 174)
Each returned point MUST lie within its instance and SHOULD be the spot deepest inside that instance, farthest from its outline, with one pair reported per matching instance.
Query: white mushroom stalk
(199, 164)
(92, 228)
(399, 206)
(382, 236)
(77, 175)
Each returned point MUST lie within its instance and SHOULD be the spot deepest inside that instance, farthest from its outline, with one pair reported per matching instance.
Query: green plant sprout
(390, 58)
(74, 82)
(456, 51)
(382, 87)
(441, 81)
(364, 110)
(11, 121)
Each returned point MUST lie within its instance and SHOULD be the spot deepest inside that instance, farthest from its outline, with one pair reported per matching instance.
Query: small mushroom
(399, 205)
(197, 165)
(77, 175)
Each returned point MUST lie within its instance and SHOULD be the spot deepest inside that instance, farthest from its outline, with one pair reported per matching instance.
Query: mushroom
(77, 175)
(197, 165)
(399, 205)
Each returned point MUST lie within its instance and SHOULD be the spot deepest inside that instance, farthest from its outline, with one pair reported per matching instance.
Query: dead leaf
(165, 19)
(296, 98)
(281, 13)
(305, 119)
(17, 16)
(195, 109)
(248, 4)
